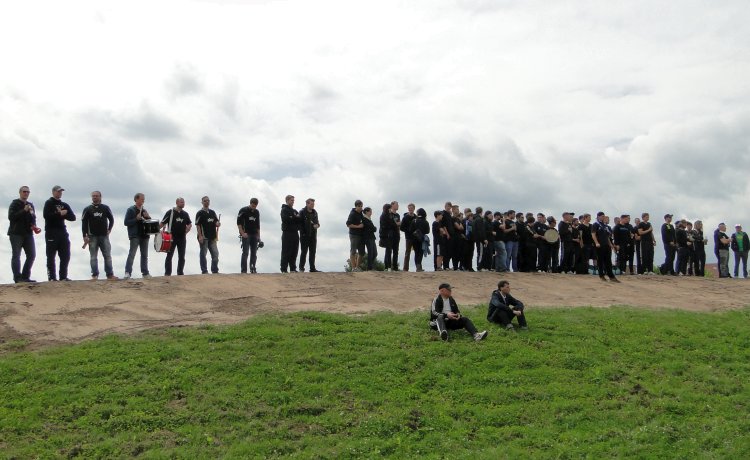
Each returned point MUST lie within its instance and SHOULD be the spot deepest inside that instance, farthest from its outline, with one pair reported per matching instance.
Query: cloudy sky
(535, 105)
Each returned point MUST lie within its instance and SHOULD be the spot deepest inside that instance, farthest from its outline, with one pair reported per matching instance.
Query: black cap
(445, 286)
(600, 213)
(667, 215)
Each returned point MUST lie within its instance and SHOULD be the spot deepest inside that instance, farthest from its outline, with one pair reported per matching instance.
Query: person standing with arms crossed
(308, 235)
(56, 212)
(290, 223)
(248, 224)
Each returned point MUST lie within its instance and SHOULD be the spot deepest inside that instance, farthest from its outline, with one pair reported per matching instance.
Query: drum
(163, 242)
(150, 227)
(551, 235)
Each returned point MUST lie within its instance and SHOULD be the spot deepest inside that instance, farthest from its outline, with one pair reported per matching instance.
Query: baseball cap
(57, 188)
(445, 286)
(737, 225)
(667, 215)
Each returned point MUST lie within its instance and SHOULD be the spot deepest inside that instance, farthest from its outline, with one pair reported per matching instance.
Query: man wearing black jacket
(503, 307)
(356, 227)
(290, 224)
(56, 212)
(308, 234)
(623, 239)
(96, 224)
(21, 230)
(668, 237)
(648, 241)
(479, 235)
(444, 315)
(406, 221)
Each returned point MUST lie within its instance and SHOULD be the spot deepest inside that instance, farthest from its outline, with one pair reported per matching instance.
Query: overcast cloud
(536, 106)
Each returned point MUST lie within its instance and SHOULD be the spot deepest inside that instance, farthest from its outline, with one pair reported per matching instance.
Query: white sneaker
(480, 336)
(127, 276)
(147, 276)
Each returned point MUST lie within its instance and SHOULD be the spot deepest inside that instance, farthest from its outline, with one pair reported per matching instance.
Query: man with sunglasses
(21, 230)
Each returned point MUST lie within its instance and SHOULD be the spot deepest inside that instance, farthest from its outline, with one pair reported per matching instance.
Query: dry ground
(51, 313)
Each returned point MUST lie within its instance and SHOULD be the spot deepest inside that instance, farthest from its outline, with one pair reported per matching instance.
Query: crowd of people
(472, 240)
(476, 240)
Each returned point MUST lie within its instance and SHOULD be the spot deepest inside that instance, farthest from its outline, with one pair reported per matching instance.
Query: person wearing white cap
(56, 212)
(740, 246)
(444, 315)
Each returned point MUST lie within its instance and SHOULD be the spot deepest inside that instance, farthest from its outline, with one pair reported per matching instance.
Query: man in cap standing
(56, 212)
(740, 246)
(669, 239)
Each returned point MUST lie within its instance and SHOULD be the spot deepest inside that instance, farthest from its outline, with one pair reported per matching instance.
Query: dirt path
(49, 313)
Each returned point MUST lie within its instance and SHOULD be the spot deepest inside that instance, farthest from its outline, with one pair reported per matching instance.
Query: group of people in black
(476, 240)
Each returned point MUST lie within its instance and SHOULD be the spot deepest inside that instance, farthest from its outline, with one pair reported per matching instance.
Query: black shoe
(302, 269)
(293, 271)
(614, 280)
(65, 279)
(603, 278)
(284, 271)
(313, 270)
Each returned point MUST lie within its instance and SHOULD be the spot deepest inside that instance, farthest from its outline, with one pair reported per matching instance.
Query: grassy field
(582, 382)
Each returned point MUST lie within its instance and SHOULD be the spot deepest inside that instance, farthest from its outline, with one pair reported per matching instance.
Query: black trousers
(682, 260)
(638, 259)
(699, 262)
(58, 244)
(647, 252)
(454, 324)
(528, 257)
(625, 257)
(249, 245)
(468, 257)
(289, 249)
(416, 245)
(543, 256)
(604, 261)
(668, 267)
(308, 245)
(179, 242)
(568, 259)
(504, 317)
(390, 260)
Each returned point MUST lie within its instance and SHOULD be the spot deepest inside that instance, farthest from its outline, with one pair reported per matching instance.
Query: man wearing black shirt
(668, 236)
(588, 251)
(648, 241)
(97, 222)
(406, 221)
(699, 249)
(178, 224)
(565, 229)
(683, 247)
(722, 242)
(623, 238)
(394, 235)
(56, 212)
(248, 224)
(207, 224)
(290, 223)
(498, 236)
(540, 227)
(479, 235)
(511, 241)
(450, 240)
(602, 235)
(355, 224)
(308, 234)
(21, 230)
(134, 218)
(527, 241)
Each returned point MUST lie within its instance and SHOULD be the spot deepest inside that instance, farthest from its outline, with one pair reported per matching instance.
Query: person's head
(478, 210)
(205, 201)
(600, 216)
(289, 200)
(498, 215)
(445, 290)
(367, 211)
(637, 221)
(422, 213)
(519, 216)
(358, 205)
(625, 219)
(488, 215)
(574, 222)
(645, 216)
(699, 225)
(689, 225)
(23, 192)
(410, 207)
(96, 197)
(738, 228)
(617, 220)
(529, 218)
(253, 203)
(139, 199)
(438, 215)
(722, 227)
(180, 203)
(455, 211)
(668, 218)
(605, 219)
(551, 220)
(540, 218)
(394, 206)
(310, 203)
(504, 287)
(387, 207)
(448, 206)
(57, 191)
(586, 218)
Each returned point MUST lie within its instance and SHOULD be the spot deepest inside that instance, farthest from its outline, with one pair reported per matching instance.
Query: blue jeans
(25, 242)
(511, 247)
(209, 246)
(740, 256)
(136, 243)
(95, 244)
(500, 256)
(250, 243)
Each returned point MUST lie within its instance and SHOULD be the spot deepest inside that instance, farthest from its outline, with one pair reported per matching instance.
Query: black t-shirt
(436, 226)
(719, 236)
(564, 229)
(447, 222)
(355, 218)
(586, 234)
(622, 234)
(180, 221)
(603, 233)
(249, 219)
(497, 230)
(206, 220)
(645, 226)
(97, 220)
(513, 235)
(540, 228)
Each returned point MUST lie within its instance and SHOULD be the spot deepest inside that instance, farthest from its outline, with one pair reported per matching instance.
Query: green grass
(584, 382)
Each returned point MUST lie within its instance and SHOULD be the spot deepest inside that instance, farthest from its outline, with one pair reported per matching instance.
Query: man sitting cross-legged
(504, 307)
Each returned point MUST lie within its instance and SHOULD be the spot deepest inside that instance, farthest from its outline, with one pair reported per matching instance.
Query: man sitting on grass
(446, 315)
(504, 307)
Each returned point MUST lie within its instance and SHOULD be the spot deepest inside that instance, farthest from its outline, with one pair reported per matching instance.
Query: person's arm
(189, 225)
(110, 220)
(69, 214)
(594, 237)
(130, 217)
(50, 210)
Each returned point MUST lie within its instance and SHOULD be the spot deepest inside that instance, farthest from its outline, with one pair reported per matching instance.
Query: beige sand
(50, 313)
